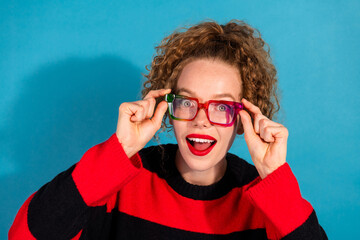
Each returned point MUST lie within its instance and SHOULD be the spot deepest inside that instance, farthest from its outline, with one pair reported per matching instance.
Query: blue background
(66, 66)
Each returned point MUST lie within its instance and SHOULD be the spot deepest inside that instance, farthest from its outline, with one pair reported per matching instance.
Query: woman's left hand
(266, 140)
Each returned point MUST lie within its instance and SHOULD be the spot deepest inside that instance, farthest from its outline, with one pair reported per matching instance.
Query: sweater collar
(177, 182)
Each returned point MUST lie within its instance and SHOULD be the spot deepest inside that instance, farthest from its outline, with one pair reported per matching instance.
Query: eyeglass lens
(218, 112)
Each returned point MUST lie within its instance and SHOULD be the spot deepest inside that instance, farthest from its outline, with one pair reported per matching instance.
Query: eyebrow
(221, 95)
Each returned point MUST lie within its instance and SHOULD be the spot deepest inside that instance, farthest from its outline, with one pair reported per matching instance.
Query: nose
(201, 119)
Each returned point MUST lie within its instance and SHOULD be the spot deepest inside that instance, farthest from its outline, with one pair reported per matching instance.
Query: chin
(200, 163)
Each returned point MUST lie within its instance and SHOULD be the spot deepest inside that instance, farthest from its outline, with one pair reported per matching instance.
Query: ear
(240, 129)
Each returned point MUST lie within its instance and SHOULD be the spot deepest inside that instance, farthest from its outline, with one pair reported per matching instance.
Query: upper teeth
(201, 140)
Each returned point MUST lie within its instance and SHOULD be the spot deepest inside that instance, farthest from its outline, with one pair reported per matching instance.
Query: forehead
(208, 78)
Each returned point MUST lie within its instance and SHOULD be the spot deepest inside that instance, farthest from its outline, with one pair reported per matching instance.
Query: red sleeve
(278, 197)
(60, 208)
(19, 229)
(103, 170)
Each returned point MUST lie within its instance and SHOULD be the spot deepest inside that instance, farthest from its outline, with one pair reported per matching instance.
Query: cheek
(228, 135)
(179, 128)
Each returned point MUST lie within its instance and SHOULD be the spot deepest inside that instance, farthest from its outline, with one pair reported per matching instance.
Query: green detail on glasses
(169, 97)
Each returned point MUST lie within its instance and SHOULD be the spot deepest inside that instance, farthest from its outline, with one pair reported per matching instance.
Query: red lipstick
(198, 152)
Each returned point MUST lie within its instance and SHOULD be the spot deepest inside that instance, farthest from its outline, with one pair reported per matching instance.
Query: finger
(135, 111)
(159, 113)
(251, 107)
(259, 120)
(149, 105)
(255, 113)
(151, 109)
(266, 134)
(274, 134)
(129, 109)
(281, 134)
(157, 93)
(263, 123)
(247, 125)
(150, 97)
(148, 112)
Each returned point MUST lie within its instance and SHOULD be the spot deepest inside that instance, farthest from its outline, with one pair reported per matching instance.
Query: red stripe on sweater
(77, 237)
(274, 203)
(278, 197)
(151, 198)
(20, 229)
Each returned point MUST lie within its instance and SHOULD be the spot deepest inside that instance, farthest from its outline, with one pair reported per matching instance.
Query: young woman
(217, 81)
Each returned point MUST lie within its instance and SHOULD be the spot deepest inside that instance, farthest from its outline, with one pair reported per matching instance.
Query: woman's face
(205, 79)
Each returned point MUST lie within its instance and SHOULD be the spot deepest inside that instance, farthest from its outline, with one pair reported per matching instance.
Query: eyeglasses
(218, 112)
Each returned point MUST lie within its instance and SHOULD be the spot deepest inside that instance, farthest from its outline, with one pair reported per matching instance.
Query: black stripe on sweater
(57, 210)
(117, 225)
(310, 230)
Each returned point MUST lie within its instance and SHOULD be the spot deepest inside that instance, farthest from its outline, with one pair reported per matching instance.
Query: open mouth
(200, 145)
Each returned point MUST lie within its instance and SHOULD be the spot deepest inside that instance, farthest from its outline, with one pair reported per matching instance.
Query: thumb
(247, 125)
(159, 113)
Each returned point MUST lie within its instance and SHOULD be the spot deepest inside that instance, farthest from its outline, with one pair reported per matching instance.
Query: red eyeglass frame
(169, 98)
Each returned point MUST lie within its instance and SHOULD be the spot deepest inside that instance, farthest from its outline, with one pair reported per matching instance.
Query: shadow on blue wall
(64, 109)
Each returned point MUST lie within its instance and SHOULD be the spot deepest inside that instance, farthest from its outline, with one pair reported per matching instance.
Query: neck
(201, 177)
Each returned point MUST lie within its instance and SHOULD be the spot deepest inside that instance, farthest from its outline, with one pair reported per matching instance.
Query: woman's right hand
(138, 121)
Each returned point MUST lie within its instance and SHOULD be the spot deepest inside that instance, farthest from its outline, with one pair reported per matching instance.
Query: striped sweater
(106, 195)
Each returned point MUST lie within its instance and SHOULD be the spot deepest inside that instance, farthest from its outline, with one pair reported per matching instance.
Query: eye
(222, 107)
(186, 103)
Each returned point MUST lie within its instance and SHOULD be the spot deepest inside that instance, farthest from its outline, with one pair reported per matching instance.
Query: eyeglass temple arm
(239, 106)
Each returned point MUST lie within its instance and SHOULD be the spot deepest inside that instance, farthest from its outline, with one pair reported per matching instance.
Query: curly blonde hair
(235, 43)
